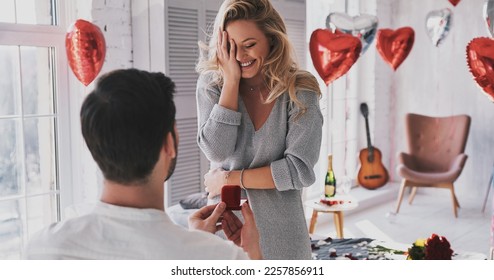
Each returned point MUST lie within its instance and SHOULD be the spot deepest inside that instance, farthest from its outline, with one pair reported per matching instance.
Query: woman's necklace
(257, 89)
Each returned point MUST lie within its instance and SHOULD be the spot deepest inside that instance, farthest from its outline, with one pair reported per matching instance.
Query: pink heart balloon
(86, 49)
(394, 46)
(480, 60)
(454, 2)
(333, 54)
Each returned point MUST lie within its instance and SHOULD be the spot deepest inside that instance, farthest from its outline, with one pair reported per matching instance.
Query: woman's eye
(249, 46)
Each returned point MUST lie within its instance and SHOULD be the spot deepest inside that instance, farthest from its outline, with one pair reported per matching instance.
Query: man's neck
(135, 196)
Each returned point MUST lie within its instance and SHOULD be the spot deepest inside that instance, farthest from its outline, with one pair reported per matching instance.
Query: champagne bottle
(330, 182)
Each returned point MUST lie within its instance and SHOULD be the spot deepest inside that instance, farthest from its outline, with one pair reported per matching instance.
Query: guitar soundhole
(370, 177)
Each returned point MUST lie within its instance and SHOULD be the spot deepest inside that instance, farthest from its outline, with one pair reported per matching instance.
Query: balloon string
(437, 80)
(392, 128)
(346, 126)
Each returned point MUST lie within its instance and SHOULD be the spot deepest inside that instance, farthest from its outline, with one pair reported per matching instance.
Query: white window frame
(52, 36)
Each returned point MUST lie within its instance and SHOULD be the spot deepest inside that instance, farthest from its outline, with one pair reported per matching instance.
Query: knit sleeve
(303, 142)
(217, 125)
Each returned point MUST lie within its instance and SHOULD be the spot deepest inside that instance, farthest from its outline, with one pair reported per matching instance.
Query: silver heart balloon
(362, 26)
(438, 24)
(489, 15)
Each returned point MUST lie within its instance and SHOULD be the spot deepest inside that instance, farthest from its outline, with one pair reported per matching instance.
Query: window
(33, 90)
(28, 11)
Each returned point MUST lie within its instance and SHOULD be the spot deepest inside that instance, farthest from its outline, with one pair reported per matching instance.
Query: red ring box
(230, 194)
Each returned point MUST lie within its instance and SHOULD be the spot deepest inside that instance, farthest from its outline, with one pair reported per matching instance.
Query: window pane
(10, 164)
(36, 81)
(26, 11)
(41, 212)
(40, 155)
(19, 218)
(7, 11)
(11, 229)
(9, 80)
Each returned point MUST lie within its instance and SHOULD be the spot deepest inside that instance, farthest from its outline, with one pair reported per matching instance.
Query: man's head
(125, 121)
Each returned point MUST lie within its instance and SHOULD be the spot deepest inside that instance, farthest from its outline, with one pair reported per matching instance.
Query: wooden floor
(431, 212)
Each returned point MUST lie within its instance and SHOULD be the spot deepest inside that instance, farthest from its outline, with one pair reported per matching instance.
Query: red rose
(438, 248)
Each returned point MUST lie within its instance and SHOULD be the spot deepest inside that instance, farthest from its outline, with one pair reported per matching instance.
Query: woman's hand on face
(227, 60)
(214, 181)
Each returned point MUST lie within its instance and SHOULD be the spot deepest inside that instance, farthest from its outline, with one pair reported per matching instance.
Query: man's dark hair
(125, 120)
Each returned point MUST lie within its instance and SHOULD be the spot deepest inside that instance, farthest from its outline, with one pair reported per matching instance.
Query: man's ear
(170, 145)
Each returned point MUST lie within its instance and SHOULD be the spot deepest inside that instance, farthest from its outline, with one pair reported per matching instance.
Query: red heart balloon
(86, 49)
(454, 2)
(394, 46)
(480, 59)
(333, 54)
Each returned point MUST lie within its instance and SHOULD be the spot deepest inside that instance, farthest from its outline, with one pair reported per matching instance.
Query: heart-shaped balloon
(480, 60)
(489, 15)
(438, 24)
(333, 54)
(362, 26)
(86, 49)
(394, 46)
(454, 2)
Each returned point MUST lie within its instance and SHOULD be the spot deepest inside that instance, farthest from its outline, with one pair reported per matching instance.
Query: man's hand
(246, 235)
(207, 218)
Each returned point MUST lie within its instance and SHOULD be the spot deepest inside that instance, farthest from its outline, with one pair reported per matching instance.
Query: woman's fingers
(220, 41)
(232, 48)
(224, 42)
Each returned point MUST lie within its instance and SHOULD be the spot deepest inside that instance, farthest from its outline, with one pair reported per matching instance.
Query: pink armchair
(435, 155)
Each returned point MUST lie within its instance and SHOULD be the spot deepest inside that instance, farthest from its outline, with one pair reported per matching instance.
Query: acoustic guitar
(372, 173)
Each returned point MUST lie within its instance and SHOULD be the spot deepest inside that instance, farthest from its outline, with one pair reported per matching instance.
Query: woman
(260, 122)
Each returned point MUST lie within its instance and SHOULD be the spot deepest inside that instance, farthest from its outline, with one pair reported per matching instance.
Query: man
(128, 123)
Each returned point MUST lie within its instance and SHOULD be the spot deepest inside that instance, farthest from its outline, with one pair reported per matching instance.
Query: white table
(349, 203)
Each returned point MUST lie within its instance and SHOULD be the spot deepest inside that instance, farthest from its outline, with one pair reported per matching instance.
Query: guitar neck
(369, 145)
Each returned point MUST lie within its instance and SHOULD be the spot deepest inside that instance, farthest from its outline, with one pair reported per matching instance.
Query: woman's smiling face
(252, 46)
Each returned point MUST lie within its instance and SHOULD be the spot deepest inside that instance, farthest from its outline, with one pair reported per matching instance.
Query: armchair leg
(400, 195)
(412, 195)
(455, 200)
(491, 181)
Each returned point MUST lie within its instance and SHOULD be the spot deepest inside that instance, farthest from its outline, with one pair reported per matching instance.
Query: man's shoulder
(42, 241)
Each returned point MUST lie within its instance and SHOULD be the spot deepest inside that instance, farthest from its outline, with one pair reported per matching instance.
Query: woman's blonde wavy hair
(280, 70)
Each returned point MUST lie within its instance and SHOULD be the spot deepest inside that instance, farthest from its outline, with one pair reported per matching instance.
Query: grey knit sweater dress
(289, 145)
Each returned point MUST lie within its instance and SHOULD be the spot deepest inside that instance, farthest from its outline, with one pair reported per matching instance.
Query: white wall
(114, 19)
(435, 81)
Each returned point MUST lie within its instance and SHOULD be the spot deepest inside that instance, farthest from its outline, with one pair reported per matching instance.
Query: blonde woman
(260, 122)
